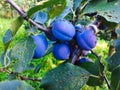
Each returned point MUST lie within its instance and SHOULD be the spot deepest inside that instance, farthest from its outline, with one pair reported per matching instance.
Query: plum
(82, 60)
(41, 45)
(85, 52)
(79, 28)
(63, 30)
(61, 51)
(86, 40)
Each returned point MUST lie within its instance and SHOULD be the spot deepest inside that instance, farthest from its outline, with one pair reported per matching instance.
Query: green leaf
(118, 31)
(95, 81)
(117, 43)
(12, 76)
(40, 17)
(115, 79)
(15, 25)
(110, 25)
(15, 85)
(50, 47)
(37, 68)
(70, 3)
(76, 3)
(64, 13)
(7, 37)
(114, 60)
(31, 30)
(95, 68)
(56, 7)
(108, 10)
(65, 77)
(22, 53)
(66, 10)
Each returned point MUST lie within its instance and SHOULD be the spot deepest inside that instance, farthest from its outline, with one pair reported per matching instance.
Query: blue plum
(86, 40)
(61, 51)
(63, 30)
(79, 28)
(82, 60)
(41, 45)
(84, 52)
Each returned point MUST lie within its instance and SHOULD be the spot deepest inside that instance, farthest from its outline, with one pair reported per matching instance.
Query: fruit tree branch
(106, 80)
(32, 79)
(24, 16)
(75, 57)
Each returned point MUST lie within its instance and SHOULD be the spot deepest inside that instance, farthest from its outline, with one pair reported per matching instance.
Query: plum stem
(77, 12)
(24, 16)
(94, 53)
(76, 55)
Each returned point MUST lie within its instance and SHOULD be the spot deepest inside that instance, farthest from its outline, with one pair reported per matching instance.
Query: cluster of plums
(67, 37)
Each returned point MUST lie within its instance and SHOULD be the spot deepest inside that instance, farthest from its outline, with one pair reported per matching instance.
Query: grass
(48, 62)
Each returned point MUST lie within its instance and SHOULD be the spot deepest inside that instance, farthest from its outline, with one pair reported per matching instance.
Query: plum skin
(82, 60)
(41, 45)
(86, 40)
(63, 30)
(79, 28)
(84, 52)
(61, 51)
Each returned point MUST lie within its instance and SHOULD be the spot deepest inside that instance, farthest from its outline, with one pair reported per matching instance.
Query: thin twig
(23, 77)
(78, 52)
(32, 79)
(106, 80)
(77, 12)
(103, 74)
(19, 76)
(24, 16)
(85, 4)
(94, 53)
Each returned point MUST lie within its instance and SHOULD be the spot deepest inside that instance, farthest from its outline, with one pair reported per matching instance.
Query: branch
(106, 80)
(76, 55)
(32, 79)
(94, 53)
(103, 74)
(23, 77)
(19, 76)
(24, 16)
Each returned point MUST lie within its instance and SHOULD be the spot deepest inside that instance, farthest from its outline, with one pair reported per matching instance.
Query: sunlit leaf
(108, 10)
(65, 77)
(56, 7)
(22, 53)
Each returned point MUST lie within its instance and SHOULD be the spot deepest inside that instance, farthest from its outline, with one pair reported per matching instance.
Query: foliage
(14, 85)
(7, 11)
(17, 59)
